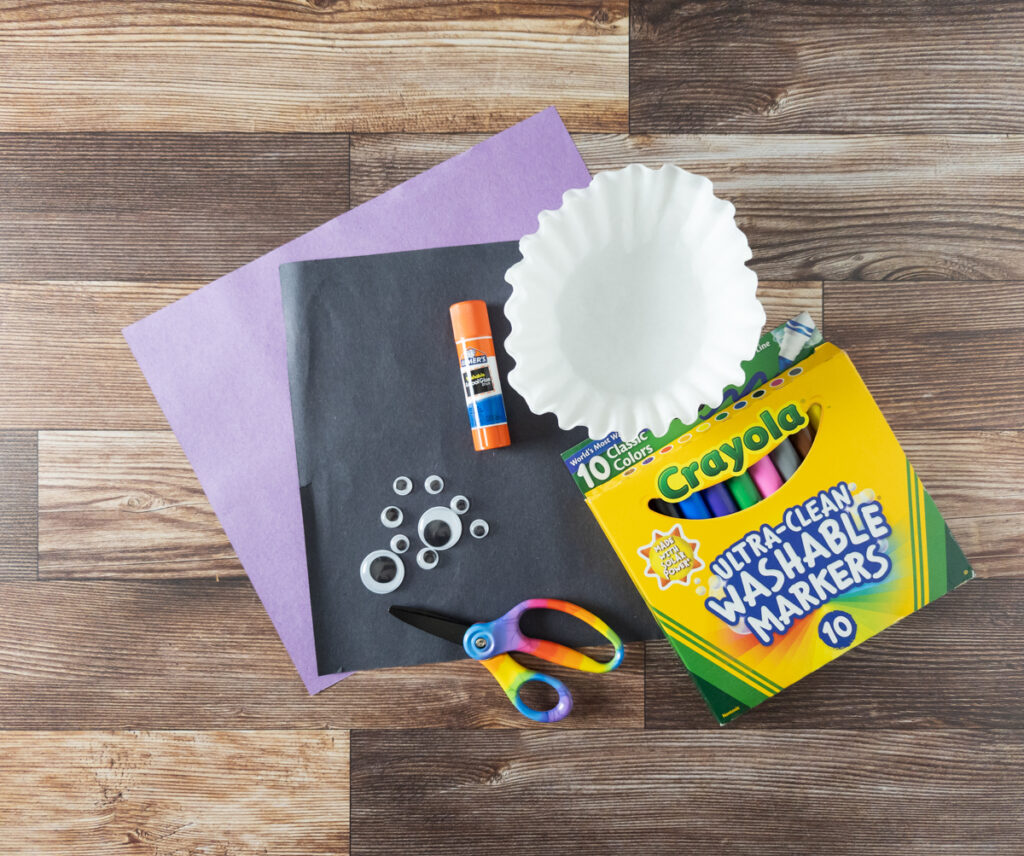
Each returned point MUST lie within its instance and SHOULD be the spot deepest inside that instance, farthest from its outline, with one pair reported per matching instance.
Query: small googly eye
(439, 527)
(382, 571)
(391, 516)
(479, 528)
(427, 558)
(402, 485)
(400, 543)
(433, 485)
(459, 504)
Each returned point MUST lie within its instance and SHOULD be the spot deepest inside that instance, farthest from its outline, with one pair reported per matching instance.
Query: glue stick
(479, 370)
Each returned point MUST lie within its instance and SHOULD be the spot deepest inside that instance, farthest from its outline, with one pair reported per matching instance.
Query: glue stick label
(477, 375)
(480, 382)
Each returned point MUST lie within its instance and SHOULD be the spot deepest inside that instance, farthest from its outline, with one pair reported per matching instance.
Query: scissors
(490, 642)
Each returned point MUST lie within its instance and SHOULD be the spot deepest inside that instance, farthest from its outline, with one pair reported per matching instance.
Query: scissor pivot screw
(480, 642)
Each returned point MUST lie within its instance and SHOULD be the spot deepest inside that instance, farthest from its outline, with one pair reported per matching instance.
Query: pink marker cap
(765, 476)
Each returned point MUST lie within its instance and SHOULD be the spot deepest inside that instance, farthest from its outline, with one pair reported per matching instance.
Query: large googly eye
(400, 543)
(433, 485)
(439, 527)
(402, 485)
(391, 516)
(479, 528)
(459, 504)
(427, 558)
(382, 571)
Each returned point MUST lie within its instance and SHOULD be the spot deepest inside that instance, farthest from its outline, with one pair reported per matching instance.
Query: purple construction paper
(217, 364)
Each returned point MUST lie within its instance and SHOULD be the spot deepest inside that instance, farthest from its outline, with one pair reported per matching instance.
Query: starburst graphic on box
(671, 557)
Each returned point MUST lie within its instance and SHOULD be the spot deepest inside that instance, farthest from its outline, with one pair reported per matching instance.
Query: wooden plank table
(875, 154)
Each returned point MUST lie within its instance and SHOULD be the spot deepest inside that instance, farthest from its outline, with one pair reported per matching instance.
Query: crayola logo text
(674, 483)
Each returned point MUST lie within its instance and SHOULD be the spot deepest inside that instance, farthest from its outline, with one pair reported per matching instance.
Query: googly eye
(479, 528)
(382, 571)
(391, 516)
(400, 543)
(439, 527)
(459, 504)
(433, 485)
(427, 558)
(402, 485)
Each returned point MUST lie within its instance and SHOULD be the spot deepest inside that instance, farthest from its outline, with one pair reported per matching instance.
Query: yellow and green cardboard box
(755, 600)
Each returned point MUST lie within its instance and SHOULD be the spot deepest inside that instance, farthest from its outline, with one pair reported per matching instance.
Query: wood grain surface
(958, 663)
(289, 65)
(160, 208)
(122, 503)
(200, 654)
(64, 361)
(188, 655)
(838, 207)
(974, 478)
(744, 66)
(995, 544)
(153, 793)
(935, 355)
(66, 364)
(18, 492)
(127, 504)
(933, 792)
(875, 155)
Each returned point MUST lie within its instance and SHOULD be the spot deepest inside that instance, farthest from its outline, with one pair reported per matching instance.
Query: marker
(814, 417)
(765, 476)
(798, 333)
(743, 490)
(694, 507)
(662, 507)
(803, 438)
(785, 458)
(479, 369)
(802, 441)
(719, 500)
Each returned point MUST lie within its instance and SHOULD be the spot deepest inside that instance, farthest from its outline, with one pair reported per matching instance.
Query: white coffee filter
(632, 304)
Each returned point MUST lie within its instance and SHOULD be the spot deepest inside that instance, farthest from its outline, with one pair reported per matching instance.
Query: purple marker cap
(719, 500)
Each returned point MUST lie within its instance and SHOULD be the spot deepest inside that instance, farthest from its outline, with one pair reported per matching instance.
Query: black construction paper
(376, 394)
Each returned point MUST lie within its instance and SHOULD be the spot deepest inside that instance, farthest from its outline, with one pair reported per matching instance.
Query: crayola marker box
(757, 599)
